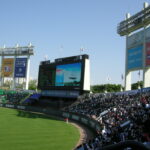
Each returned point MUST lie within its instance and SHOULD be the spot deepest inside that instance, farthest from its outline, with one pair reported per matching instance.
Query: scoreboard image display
(63, 74)
(68, 75)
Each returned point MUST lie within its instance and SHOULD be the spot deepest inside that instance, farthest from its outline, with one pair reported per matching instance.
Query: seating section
(32, 99)
(13, 97)
(123, 116)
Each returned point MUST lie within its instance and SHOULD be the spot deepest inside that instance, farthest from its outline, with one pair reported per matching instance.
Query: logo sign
(147, 54)
(135, 58)
(7, 67)
(20, 67)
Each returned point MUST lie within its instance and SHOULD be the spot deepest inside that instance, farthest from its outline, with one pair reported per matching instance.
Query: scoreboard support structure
(65, 77)
(27, 73)
(9, 67)
(136, 58)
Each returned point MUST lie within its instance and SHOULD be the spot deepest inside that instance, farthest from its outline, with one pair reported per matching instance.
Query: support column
(146, 70)
(14, 79)
(127, 73)
(27, 73)
(2, 78)
(146, 76)
(128, 81)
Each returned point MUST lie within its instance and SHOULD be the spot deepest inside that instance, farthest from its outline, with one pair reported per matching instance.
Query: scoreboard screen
(69, 74)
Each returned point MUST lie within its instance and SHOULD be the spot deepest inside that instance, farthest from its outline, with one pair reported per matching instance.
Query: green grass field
(26, 131)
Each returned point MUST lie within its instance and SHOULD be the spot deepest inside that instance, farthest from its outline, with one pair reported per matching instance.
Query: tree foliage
(137, 85)
(102, 88)
(106, 88)
(32, 84)
(7, 84)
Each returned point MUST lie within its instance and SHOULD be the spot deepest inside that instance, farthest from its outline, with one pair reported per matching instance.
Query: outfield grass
(26, 131)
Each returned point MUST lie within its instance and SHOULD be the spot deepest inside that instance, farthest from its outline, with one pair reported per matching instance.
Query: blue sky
(59, 28)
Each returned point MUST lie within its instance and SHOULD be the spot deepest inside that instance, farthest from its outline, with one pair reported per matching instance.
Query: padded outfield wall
(91, 123)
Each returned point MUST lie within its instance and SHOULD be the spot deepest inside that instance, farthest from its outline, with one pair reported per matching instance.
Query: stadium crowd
(122, 117)
(14, 97)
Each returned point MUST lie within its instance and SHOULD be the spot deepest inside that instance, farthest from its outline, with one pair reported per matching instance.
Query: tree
(113, 87)
(32, 84)
(7, 84)
(106, 87)
(136, 85)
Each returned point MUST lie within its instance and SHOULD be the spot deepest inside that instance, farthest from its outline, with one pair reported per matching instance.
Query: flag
(108, 78)
(139, 73)
(122, 77)
(81, 49)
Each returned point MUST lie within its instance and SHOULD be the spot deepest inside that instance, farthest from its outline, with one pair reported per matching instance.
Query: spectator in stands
(123, 117)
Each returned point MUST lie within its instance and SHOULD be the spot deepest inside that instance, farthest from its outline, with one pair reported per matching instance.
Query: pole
(27, 73)
(139, 80)
(2, 77)
(14, 79)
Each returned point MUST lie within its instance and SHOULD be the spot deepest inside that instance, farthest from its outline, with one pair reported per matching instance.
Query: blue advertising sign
(135, 58)
(20, 67)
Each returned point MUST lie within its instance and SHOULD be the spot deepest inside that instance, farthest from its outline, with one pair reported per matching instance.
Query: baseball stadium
(63, 113)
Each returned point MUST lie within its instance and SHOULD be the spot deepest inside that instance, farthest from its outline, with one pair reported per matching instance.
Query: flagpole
(107, 82)
(81, 50)
(139, 80)
(122, 79)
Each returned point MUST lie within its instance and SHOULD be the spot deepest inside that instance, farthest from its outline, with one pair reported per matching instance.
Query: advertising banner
(147, 58)
(135, 58)
(20, 67)
(7, 67)
(147, 34)
(135, 39)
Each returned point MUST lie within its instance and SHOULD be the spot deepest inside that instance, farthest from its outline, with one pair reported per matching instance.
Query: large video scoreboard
(70, 73)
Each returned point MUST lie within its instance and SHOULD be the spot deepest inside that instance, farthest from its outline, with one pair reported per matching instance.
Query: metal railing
(134, 145)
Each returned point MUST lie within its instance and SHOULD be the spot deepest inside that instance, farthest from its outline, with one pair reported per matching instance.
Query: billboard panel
(7, 67)
(47, 76)
(147, 34)
(20, 67)
(135, 39)
(68, 74)
(21, 51)
(135, 58)
(147, 58)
